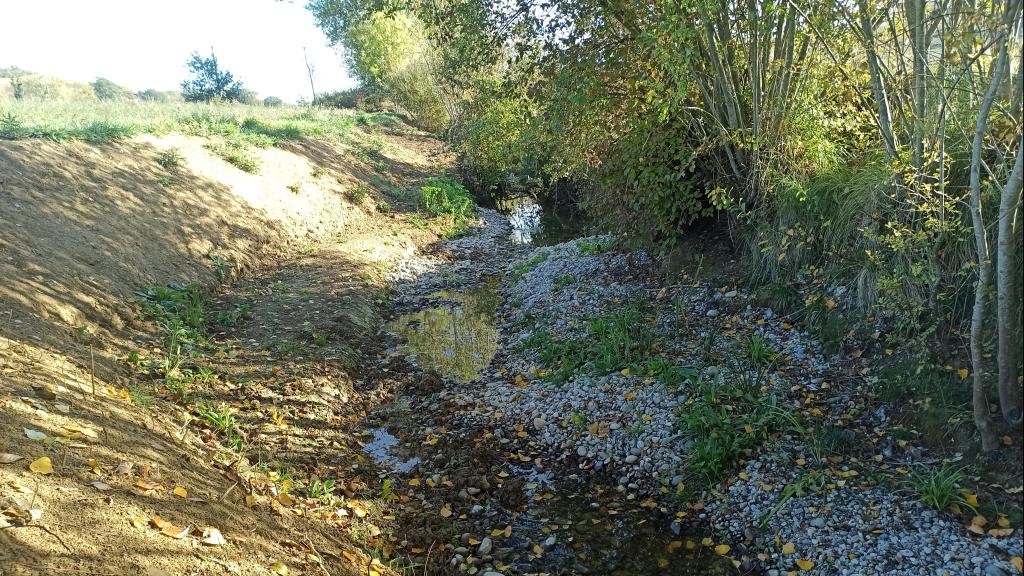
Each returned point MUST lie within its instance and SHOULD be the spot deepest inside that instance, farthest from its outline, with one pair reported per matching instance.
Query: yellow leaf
(800, 461)
(805, 564)
(662, 562)
(285, 499)
(674, 545)
(744, 476)
(180, 492)
(279, 568)
(507, 531)
(1003, 521)
(537, 549)
(41, 466)
(250, 500)
(137, 521)
(788, 548)
(625, 371)
(722, 549)
(414, 482)
(1018, 563)
(446, 511)
(963, 372)
(979, 521)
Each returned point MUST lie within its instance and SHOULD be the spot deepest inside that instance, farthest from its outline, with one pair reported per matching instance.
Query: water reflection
(380, 449)
(457, 339)
(540, 224)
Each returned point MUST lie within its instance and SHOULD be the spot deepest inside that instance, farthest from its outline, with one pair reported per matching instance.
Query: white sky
(145, 43)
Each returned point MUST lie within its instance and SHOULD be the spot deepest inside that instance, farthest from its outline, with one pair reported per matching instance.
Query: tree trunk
(1006, 283)
(877, 81)
(982, 415)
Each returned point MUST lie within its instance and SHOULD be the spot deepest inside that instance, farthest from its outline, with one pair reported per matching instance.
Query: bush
(272, 102)
(107, 90)
(353, 98)
(209, 82)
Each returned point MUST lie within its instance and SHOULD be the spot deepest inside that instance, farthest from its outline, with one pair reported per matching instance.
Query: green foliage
(108, 90)
(317, 489)
(208, 82)
(272, 102)
(235, 152)
(222, 419)
(180, 311)
(520, 269)
(758, 350)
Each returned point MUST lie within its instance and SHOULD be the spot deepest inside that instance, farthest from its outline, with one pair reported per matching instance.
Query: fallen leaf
(963, 372)
(175, 532)
(123, 468)
(137, 521)
(6, 458)
(979, 521)
(180, 492)
(285, 499)
(1000, 532)
(446, 511)
(788, 548)
(41, 466)
(1018, 563)
(101, 486)
(805, 564)
(722, 549)
(34, 434)
(662, 562)
(279, 568)
(971, 499)
(212, 537)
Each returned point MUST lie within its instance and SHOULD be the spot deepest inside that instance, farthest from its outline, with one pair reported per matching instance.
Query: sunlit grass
(99, 121)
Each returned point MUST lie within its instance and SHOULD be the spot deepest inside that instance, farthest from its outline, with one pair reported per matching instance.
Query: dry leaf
(285, 499)
(180, 492)
(1018, 563)
(446, 511)
(175, 532)
(212, 537)
(101, 486)
(137, 521)
(34, 434)
(41, 466)
(788, 548)
(722, 549)
(6, 458)
(123, 468)
(805, 564)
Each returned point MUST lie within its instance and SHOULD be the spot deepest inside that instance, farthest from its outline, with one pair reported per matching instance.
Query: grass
(937, 402)
(521, 269)
(170, 158)
(727, 422)
(617, 339)
(758, 350)
(939, 488)
(101, 121)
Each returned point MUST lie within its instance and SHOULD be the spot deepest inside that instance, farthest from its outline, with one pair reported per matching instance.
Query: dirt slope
(82, 227)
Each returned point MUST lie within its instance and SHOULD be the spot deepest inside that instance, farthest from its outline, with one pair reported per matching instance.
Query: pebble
(485, 547)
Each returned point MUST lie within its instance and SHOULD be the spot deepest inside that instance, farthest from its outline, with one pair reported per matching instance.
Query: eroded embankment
(199, 444)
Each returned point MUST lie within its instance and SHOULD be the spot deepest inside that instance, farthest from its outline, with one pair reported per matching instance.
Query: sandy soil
(82, 227)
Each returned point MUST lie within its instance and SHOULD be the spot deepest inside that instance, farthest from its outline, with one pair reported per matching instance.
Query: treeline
(874, 145)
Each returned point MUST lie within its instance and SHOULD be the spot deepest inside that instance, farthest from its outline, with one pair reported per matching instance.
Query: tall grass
(99, 121)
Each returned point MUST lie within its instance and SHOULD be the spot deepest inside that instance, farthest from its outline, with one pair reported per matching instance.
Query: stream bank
(538, 454)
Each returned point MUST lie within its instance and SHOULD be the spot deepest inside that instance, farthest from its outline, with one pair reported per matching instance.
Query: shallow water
(457, 339)
(541, 224)
(380, 450)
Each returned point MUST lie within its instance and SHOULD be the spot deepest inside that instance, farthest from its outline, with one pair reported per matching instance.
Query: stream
(560, 521)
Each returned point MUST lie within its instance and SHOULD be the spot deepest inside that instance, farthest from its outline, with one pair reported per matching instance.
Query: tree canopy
(208, 81)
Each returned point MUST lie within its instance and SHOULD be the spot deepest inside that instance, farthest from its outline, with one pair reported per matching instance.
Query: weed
(593, 248)
(317, 489)
(579, 419)
(758, 350)
(222, 419)
(564, 280)
(443, 196)
(295, 187)
(358, 194)
(521, 269)
(141, 396)
(669, 374)
(383, 207)
(727, 422)
(939, 488)
(617, 339)
(170, 158)
(811, 481)
(318, 172)
(166, 181)
(221, 267)
(10, 127)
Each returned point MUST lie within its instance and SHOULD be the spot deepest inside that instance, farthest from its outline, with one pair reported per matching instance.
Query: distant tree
(152, 95)
(272, 102)
(209, 82)
(246, 96)
(108, 90)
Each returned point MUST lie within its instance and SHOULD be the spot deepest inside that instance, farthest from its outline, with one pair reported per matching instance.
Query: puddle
(457, 339)
(380, 450)
(540, 224)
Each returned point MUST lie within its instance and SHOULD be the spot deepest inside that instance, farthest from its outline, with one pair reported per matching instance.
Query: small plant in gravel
(236, 154)
(523, 268)
(170, 158)
(727, 422)
(940, 487)
(222, 419)
(564, 281)
(593, 248)
(758, 350)
(317, 489)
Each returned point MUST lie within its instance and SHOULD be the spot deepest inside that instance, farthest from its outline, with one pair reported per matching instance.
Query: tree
(272, 102)
(209, 82)
(108, 90)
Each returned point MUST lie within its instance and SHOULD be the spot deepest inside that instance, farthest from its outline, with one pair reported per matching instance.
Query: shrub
(272, 102)
(209, 82)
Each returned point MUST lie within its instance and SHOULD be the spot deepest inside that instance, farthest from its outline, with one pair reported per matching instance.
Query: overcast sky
(145, 43)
